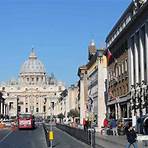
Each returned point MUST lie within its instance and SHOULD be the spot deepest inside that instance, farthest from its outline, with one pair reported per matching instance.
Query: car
(7, 123)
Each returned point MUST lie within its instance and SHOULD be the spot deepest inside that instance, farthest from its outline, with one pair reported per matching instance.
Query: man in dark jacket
(131, 136)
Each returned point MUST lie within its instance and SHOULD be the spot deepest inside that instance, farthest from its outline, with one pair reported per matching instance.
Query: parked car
(7, 123)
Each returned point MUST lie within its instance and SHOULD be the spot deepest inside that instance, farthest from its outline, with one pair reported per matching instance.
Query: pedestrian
(106, 123)
(131, 136)
(114, 126)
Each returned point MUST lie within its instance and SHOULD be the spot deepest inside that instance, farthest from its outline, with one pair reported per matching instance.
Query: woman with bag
(131, 136)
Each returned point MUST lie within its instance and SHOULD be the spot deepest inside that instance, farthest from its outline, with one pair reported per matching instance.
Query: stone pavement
(110, 141)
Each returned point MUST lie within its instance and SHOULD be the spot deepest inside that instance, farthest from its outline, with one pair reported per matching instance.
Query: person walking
(131, 136)
(114, 126)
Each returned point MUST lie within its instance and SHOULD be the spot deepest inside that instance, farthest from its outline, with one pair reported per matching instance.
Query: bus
(26, 121)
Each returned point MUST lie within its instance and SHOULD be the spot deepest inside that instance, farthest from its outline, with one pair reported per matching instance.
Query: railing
(87, 136)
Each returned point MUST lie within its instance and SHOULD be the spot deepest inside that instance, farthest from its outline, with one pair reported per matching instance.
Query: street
(63, 140)
(23, 138)
(36, 139)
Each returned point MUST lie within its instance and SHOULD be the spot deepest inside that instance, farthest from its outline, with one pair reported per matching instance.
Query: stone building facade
(128, 68)
(34, 91)
(93, 78)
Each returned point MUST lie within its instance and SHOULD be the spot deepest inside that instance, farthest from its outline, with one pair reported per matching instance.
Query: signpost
(51, 135)
(91, 116)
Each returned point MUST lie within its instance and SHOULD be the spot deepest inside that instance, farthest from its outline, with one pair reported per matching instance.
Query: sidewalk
(109, 141)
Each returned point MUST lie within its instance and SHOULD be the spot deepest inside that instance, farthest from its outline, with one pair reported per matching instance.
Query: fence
(87, 136)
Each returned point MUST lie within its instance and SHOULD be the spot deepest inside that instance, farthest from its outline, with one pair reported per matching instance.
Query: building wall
(132, 30)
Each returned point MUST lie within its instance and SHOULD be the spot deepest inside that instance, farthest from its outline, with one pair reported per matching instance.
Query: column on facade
(1, 107)
(4, 109)
(102, 76)
(130, 64)
(44, 80)
(141, 46)
(116, 110)
(119, 110)
(146, 48)
(35, 79)
(128, 110)
(82, 111)
(136, 59)
(40, 80)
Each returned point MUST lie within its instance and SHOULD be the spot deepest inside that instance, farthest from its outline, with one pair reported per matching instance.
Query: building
(68, 101)
(34, 91)
(93, 87)
(128, 68)
(3, 107)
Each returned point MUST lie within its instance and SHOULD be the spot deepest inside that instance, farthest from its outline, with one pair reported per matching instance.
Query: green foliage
(61, 116)
(73, 113)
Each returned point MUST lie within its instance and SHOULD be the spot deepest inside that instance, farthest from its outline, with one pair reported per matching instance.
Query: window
(10, 105)
(44, 108)
(26, 110)
(37, 110)
(19, 108)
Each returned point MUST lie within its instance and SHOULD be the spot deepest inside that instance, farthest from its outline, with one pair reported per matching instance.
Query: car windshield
(24, 116)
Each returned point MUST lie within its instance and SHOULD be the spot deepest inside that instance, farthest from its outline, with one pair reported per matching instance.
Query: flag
(90, 106)
(108, 54)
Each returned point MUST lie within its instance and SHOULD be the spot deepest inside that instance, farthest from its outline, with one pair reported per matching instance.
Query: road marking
(5, 137)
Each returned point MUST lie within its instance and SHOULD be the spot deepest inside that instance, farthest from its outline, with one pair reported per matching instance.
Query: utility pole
(17, 99)
(51, 136)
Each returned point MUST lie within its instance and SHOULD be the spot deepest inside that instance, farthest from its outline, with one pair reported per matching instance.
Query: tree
(61, 116)
(73, 113)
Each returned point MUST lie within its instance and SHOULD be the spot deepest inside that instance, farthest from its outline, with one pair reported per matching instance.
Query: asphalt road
(63, 140)
(36, 139)
(23, 138)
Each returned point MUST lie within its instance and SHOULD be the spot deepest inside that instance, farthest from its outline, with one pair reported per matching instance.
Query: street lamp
(17, 103)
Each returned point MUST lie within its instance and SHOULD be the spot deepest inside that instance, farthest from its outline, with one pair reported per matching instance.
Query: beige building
(93, 87)
(68, 100)
(34, 91)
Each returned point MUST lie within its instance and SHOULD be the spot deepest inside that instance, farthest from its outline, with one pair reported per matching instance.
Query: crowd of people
(111, 124)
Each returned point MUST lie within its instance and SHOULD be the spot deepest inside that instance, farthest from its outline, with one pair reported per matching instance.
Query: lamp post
(0, 104)
(17, 103)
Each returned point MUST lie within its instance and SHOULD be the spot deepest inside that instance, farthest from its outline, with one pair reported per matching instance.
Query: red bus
(25, 121)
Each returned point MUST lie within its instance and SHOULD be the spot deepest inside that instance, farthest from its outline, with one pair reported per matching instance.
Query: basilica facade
(33, 92)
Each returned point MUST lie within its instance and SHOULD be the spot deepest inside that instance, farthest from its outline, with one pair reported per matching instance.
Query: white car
(7, 123)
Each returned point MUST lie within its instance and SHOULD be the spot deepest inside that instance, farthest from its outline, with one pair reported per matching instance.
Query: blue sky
(59, 31)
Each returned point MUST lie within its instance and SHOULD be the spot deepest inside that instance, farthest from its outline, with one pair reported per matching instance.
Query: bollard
(51, 137)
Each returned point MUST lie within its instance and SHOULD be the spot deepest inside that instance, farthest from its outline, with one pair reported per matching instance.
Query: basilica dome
(32, 65)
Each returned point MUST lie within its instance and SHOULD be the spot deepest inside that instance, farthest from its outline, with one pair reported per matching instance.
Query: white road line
(5, 137)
